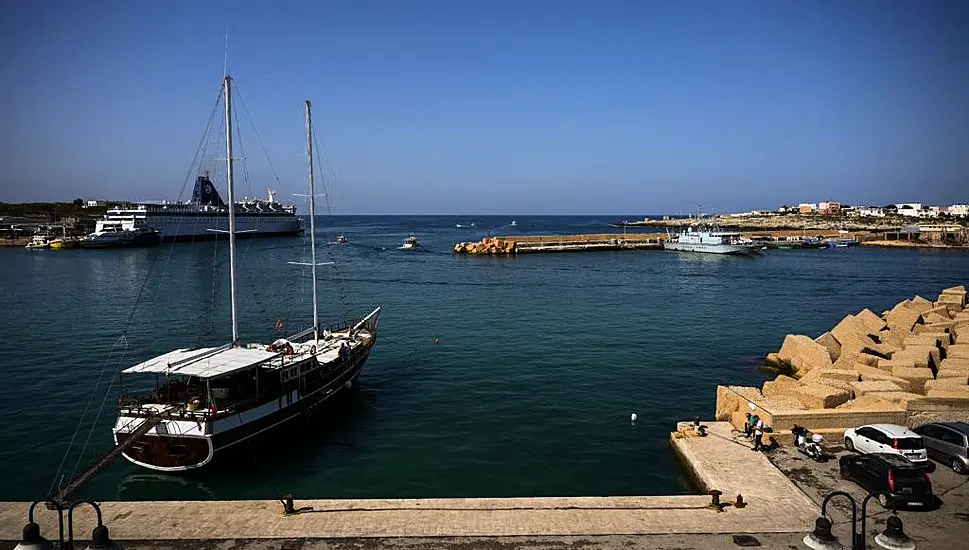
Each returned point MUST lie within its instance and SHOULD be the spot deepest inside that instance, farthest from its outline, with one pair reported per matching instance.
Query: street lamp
(32, 540)
(892, 538)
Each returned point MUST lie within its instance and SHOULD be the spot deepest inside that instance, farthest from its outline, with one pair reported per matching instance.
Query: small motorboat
(341, 239)
(411, 242)
(39, 242)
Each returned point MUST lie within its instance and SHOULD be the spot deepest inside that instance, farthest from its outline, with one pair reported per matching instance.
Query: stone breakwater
(522, 244)
(906, 366)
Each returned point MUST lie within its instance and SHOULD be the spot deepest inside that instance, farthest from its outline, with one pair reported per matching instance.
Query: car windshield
(909, 443)
(907, 474)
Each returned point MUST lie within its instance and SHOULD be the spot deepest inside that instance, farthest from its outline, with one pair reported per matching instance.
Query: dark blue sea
(540, 358)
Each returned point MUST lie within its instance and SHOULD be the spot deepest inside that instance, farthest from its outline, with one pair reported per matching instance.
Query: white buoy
(633, 417)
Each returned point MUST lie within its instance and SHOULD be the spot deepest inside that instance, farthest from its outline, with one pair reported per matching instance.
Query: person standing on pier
(758, 435)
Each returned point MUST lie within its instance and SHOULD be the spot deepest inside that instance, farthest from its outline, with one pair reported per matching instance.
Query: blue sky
(501, 106)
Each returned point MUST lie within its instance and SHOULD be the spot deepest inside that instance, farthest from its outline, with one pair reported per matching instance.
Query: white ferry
(207, 216)
(702, 239)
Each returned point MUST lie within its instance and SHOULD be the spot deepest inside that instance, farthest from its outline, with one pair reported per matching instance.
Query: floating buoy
(633, 417)
(437, 340)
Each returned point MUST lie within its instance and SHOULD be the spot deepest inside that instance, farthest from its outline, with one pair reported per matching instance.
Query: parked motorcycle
(809, 443)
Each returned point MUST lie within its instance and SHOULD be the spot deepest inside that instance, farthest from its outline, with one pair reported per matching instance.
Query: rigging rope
(80, 420)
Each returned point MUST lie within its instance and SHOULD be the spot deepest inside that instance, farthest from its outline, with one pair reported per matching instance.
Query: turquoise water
(540, 361)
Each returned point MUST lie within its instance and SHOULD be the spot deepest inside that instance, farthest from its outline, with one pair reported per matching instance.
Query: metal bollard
(288, 505)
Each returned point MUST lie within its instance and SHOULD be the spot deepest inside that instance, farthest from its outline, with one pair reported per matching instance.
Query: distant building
(871, 212)
(807, 208)
(830, 208)
(911, 209)
(94, 204)
(959, 210)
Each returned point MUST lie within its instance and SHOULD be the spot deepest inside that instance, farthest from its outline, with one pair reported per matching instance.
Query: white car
(887, 438)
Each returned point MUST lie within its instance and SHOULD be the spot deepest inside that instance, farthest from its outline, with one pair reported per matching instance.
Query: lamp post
(32, 539)
(893, 538)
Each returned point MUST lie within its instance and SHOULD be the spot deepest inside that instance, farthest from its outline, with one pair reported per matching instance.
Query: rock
(917, 355)
(852, 334)
(774, 363)
(935, 318)
(962, 373)
(873, 322)
(901, 398)
(831, 344)
(939, 310)
(930, 339)
(953, 363)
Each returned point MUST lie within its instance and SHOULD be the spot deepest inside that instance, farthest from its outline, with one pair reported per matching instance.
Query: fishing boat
(208, 400)
(411, 242)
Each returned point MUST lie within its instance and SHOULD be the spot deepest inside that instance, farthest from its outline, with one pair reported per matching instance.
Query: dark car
(947, 443)
(906, 483)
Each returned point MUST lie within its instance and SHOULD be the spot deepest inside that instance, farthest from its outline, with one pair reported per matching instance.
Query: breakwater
(907, 365)
(523, 244)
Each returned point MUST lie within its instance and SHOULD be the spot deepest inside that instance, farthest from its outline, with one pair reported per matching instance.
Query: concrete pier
(716, 459)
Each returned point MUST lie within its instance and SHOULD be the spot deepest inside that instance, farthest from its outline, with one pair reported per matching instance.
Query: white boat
(697, 238)
(411, 242)
(121, 234)
(38, 242)
(341, 239)
(209, 399)
(514, 223)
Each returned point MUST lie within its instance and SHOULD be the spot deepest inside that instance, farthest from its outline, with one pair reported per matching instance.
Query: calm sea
(540, 361)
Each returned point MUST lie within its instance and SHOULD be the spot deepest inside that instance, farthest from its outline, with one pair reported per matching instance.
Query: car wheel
(957, 466)
(849, 445)
(845, 473)
(884, 501)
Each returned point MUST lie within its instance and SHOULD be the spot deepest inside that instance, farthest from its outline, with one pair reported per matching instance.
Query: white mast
(309, 153)
(232, 212)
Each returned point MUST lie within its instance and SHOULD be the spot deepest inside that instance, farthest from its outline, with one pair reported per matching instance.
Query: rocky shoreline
(907, 366)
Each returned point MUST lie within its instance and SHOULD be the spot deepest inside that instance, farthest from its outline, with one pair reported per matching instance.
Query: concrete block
(873, 386)
(872, 373)
(804, 354)
(953, 373)
(868, 402)
(873, 322)
(831, 344)
(938, 309)
(919, 356)
(901, 398)
(779, 386)
(930, 339)
(903, 317)
(852, 334)
(958, 350)
(947, 383)
(819, 396)
(959, 394)
(935, 318)
(919, 303)
(916, 377)
(950, 363)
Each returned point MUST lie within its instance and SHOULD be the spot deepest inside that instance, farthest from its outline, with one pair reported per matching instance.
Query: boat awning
(204, 362)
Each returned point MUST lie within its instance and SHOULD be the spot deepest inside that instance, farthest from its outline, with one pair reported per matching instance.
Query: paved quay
(716, 460)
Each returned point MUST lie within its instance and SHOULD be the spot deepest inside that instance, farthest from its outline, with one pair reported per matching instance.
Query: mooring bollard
(288, 507)
(715, 494)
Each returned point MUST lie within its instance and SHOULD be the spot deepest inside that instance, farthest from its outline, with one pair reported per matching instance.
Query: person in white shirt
(758, 435)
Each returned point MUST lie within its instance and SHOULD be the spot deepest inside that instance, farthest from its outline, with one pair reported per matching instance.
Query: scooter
(809, 443)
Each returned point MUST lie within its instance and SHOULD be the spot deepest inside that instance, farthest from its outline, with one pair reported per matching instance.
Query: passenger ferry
(207, 216)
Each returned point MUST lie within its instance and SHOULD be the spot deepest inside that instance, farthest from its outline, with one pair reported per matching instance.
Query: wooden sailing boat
(212, 398)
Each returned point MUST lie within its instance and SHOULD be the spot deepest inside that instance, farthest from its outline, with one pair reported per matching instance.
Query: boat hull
(711, 248)
(142, 240)
(199, 444)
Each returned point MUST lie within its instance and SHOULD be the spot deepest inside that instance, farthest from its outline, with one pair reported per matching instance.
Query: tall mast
(232, 209)
(309, 153)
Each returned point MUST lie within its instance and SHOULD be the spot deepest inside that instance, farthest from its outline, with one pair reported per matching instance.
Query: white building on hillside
(959, 210)
(911, 209)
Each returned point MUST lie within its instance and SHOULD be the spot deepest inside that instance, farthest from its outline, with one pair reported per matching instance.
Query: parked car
(948, 443)
(906, 483)
(887, 438)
